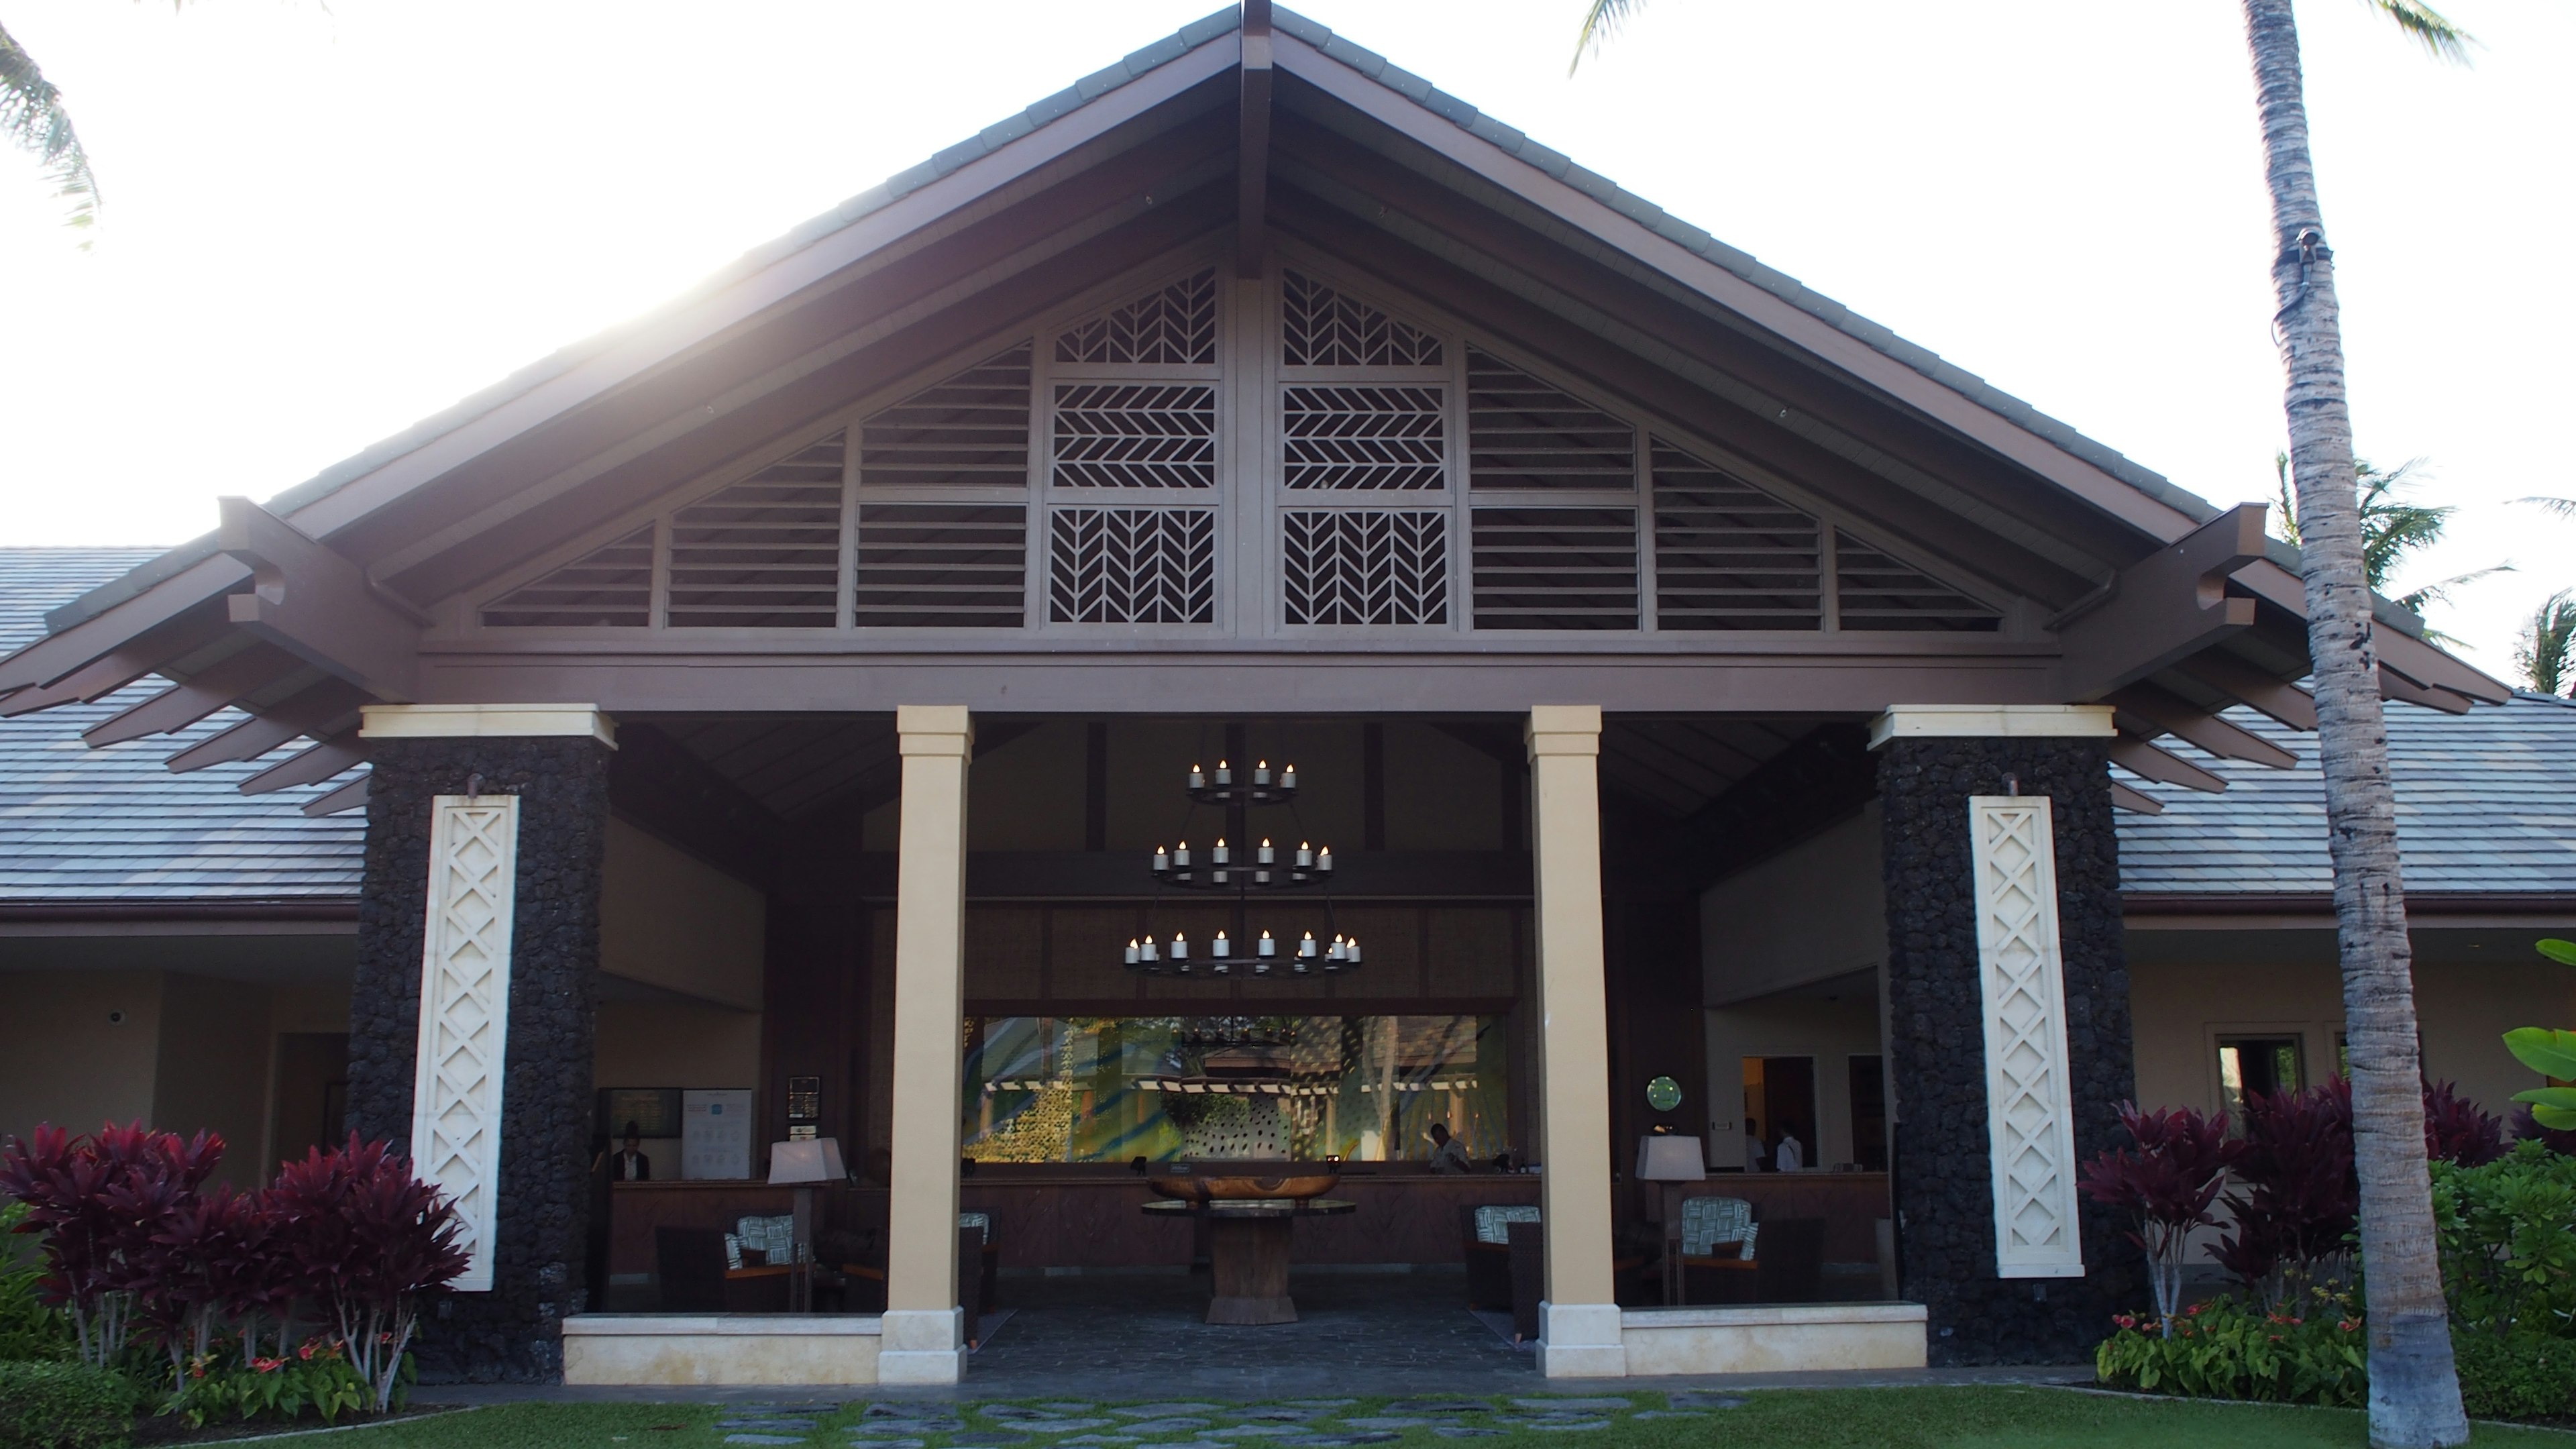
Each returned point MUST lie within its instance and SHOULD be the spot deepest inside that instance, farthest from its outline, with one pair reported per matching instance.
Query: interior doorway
(309, 1094)
(1780, 1102)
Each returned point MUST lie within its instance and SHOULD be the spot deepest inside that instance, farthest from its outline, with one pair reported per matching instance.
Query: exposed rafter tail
(2161, 710)
(2283, 701)
(351, 796)
(2124, 797)
(308, 767)
(2140, 758)
(219, 684)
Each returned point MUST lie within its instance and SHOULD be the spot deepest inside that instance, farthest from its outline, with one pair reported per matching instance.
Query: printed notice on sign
(715, 1133)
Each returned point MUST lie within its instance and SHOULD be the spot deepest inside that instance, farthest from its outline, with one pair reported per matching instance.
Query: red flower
(306, 1352)
(2124, 1320)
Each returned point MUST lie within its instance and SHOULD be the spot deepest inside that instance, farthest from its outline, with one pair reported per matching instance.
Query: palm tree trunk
(2414, 1389)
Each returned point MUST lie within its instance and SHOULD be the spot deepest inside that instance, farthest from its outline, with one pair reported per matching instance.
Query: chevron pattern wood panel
(1365, 437)
(1323, 327)
(1132, 566)
(465, 1013)
(2022, 982)
(1135, 435)
(1367, 566)
(1174, 326)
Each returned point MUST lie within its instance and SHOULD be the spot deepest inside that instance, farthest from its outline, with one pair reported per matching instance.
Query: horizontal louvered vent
(1135, 435)
(1730, 556)
(1364, 437)
(1555, 568)
(1875, 592)
(941, 566)
(1367, 566)
(764, 553)
(1175, 326)
(972, 429)
(1132, 566)
(612, 586)
(1522, 433)
(1323, 327)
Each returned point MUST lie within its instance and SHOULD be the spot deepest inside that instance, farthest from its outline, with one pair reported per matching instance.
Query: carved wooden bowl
(1294, 1180)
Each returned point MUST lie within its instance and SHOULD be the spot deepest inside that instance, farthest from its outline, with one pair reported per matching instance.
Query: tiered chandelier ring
(1240, 871)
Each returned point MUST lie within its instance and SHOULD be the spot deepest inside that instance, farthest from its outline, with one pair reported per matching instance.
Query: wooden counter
(1072, 1218)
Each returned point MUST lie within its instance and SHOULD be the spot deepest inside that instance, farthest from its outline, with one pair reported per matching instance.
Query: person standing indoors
(1754, 1151)
(1791, 1154)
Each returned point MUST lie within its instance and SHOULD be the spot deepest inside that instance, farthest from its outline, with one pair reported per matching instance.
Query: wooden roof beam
(2280, 699)
(321, 711)
(2140, 758)
(2124, 797)
(2180, 717)
(119, 668)
(1252, 156)
(2164, 608)
(2394, 685)
(209, 689)
(353, 796)
(309, 766)
(312, 602)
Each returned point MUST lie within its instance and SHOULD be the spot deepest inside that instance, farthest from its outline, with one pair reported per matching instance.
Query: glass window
(1165, 1088)
(2250, 1064)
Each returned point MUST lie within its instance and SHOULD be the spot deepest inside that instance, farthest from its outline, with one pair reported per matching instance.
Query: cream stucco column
(1578, 1316)
(925, 1339)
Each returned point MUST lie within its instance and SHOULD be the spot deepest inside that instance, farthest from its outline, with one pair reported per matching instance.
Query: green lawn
(1908, 1418)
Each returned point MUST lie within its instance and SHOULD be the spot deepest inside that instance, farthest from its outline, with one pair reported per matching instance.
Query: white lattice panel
(1322, 327)
(1367, 566)
(1135, 435)
(1132, 566)
(2022, 982)
(1364, 438)
(465, 1013)
(1176, 325)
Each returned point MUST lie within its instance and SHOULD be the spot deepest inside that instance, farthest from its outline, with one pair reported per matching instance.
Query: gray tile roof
(1084, 92)
(2486, 801)
(113, 824)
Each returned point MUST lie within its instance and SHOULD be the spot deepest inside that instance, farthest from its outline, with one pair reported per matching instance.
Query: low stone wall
(606, 1350)
(1783, 1338)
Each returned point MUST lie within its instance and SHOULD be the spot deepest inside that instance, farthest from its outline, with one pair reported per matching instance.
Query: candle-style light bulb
(1180, 947)
(1351, 951)
(1305, 948)
(1218, 857)
(1151, 952)
(1266, 947)
(1224, 773)
(1198, 778)
(1324, 858)
(1266, 856)
(1133, 952)
(1287, 777)
(1261, 772)
(1223, 946)
(1181, 855)
(1162, 859)
(1305, 855)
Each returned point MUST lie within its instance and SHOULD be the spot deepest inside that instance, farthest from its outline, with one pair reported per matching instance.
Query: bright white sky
(325, 223)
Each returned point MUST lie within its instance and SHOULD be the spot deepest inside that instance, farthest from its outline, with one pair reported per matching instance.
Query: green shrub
(2516, 1375)
(317, 1377)
(28, 1329)
(2227, 1349)
(63, 1406)
(2508, 1257)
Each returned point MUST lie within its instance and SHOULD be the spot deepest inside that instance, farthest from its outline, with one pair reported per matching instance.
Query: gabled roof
(114, 825)
(2486, 804)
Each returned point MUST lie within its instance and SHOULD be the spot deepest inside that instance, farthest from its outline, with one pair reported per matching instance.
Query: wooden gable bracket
(2164, 608)
(312, 602)
(1252, 144)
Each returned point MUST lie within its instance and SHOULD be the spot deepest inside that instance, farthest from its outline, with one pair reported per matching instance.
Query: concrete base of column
(1580, 1341)
(922, 1346)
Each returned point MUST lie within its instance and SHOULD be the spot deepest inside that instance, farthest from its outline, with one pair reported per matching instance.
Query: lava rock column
(514, 1332)
(1943, 1174)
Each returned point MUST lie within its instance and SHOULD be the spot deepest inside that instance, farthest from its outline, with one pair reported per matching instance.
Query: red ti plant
(2167, 1184)
(2301, 1199)
(363, 1235)
(97, 1200)
(2457, 1131)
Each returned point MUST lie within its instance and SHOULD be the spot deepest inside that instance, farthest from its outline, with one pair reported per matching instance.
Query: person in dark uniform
(629, 1164)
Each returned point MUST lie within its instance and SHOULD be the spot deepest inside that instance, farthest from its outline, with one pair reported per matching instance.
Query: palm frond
(2440, 593)
(32, 117)
(2546, 654)
(2563, 507)
(1601, 21)
(2441, 38)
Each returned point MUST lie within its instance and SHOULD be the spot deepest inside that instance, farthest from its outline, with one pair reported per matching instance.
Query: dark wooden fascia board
(2165, 607)
(1812, 335)
(117, 917)
(1254, 83)
(313, 602)
(1663, 395)
(1815, 395)
(2304, 909)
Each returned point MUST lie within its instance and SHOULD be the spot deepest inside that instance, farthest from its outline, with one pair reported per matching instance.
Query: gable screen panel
(1364, 437)
(971, 430)
(766, 552)
(1135, 435)
(1366, 565)
(1876, 592)
(1555, 568)
(1323, 327)
(1523, 433)
(610, 586)
(1730, 556)
(941, 566)
(1175, 326)
(1131, 566)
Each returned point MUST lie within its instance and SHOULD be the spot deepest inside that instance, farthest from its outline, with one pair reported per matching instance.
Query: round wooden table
(1248, 1251)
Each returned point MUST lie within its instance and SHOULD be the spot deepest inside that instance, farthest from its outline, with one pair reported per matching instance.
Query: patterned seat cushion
(1494, 1220)
(978, 1220)
(1709, 1221)
(773, 1237)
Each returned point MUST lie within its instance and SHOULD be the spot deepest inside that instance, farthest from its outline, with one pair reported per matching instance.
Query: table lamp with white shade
(1669, 1159)
(805, 1166)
